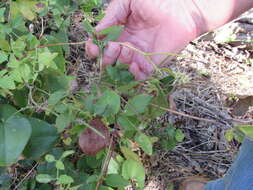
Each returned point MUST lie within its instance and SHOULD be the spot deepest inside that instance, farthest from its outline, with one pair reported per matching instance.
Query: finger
(126, 55)
(111, 53)
(91, 49)
(116, 14)
(135, 70)
(143, 63)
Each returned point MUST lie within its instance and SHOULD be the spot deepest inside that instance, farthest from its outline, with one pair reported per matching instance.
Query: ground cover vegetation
(53, 136)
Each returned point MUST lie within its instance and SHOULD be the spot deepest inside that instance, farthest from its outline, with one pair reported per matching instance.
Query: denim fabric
(240, 174)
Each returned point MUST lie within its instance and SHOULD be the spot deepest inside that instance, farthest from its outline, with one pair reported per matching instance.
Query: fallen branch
(184, 114)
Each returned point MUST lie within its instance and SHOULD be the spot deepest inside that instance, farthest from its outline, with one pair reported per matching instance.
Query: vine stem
(146, 55)
(105, 164)
(62, 44)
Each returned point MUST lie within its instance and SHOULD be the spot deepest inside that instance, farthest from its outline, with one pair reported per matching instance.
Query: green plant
(62, 180)
(239, 133)
(40, 114)
(169, 136)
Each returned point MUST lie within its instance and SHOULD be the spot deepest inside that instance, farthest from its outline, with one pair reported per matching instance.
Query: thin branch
(26, 176)
(184, 114)
(105, 164)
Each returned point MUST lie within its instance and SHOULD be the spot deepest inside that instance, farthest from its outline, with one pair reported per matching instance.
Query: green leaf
(56, 97)
(246, 130)
(113, 33)
(3, 57)
(145, 143)
(45, 60)
(2, 10)
(49, 158)
(134, 170)
(179, 136)
(7, 111)
(7, 82)
(170, 187)
(63, 121)
(14, 134)
(43, 138)
(115, 180)
(137, 104)
(119, 75)
(130, 125)
(18, 47)
(67, 153)
(229, 135)
(88, 28)
(161, 100)
(20, 97)
(27, 8)
(65, 179)
(113, 167)
(44, 178)
(127, 87)
(57, 83)
(4, 44)
(102, 187)
(108, 104)
(129, 154)
(108, 30)
(89, 103)
(59, 165)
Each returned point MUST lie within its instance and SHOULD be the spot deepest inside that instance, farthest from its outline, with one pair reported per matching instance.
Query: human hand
(151, 26)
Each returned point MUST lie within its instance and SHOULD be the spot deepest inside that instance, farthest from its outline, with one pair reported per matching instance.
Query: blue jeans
(240, 174)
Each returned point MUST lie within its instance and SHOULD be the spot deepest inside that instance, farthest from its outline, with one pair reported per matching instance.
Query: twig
(26, 176)
(184, 114)
(42, 27)
(105, 164)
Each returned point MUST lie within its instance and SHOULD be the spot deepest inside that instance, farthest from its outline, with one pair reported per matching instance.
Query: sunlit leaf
(246, 130)
(45, 59)
(179, 136)
(44, 178)
(3, 57)
(134, 170)
(7, 83)
(65, 179)
(2, 10)
(229, 135)
(145, 143)
(129, 154)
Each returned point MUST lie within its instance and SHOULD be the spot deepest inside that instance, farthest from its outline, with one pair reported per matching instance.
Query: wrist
(216, 13)
(195, 13)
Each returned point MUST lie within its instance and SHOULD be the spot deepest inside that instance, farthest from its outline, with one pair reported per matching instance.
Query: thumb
(116, 14)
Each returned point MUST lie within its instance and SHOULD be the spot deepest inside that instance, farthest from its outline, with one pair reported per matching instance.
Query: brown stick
(184, 114)
(105, 164)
